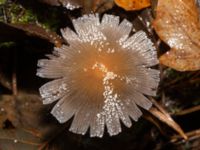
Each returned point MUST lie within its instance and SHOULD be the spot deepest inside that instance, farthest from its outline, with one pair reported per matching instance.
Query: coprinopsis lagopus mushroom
(101, 77)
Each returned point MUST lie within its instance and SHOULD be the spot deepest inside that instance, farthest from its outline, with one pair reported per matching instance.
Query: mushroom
(101, 77)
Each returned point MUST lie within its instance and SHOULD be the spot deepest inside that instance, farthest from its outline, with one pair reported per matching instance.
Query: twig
(188, 111)
(14, 75)
(165, 117)
(5, 82)
(192, 135)
(159, 107)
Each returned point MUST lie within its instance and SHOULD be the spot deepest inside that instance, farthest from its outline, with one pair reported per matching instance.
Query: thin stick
(14, 75)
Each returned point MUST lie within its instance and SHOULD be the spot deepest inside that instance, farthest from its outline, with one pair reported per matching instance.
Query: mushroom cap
(101, 77)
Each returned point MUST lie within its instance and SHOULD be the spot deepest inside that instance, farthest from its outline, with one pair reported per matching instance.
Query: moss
(174, 109)
(196, 102)
(48, 24)
(2, 2)
(18, 14)
(49, 20)
(7, 44)
(27, 17)
(171, 73)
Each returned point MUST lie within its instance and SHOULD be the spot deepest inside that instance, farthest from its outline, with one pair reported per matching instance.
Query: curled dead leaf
(133, 4)
(162, 115)
(177, 24)
(169, 121)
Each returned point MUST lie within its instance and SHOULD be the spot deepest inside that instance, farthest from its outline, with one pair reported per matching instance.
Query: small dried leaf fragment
(133, 4)
(177, 24)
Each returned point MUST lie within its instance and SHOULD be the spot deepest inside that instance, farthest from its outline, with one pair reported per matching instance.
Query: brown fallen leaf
(133, 4)
(177, 24)
(17, 31)
(38, 31)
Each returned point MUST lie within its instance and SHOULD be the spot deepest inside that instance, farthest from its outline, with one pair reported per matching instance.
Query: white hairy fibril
(101, 77)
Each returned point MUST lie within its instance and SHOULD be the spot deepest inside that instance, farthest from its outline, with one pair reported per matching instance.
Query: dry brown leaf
(39, 31)
(133, 4)
(16, 32)
(177, 24)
